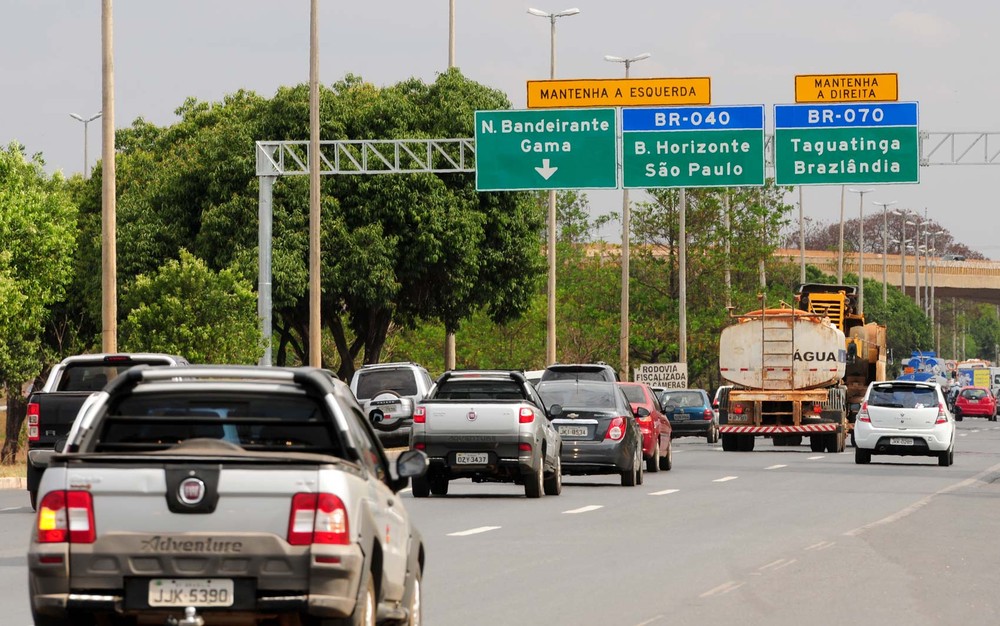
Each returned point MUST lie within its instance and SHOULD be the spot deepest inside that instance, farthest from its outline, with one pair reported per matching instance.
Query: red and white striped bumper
(779, 430)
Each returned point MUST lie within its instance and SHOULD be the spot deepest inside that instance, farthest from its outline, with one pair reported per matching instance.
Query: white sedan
(904, 418)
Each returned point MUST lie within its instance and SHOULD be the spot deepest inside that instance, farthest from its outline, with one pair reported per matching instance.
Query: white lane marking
(407, 490)
(664, 492)
(584, 509)
(813, 458)
(919, 504)
(776, 565)
(655, 618)
(822, 545)
(725, 479)
(722, 589)
(473, 531)
(775, 467)
(962, 435)
(13, 508)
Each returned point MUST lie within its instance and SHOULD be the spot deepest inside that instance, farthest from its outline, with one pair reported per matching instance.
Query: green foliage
(37, 237)
(187, 309)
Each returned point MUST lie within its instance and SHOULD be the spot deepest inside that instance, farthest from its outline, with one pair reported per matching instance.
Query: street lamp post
(861, 247)
(916, 261)
(550, 340)
(626, 236)
(885, 247)
(902, 250)
(85, 121)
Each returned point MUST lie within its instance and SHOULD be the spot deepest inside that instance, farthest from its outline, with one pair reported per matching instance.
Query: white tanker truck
(785, 366)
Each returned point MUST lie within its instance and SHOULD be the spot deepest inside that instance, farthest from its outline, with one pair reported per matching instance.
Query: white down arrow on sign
(545, 170)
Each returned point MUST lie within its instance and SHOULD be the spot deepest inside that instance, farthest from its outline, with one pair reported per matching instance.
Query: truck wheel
(745, 443)
(439, 485)
(421, 488)
(729, 442)
(833, 443)
(534, 481)
(653, 462)
(817, 443)
(553, 482)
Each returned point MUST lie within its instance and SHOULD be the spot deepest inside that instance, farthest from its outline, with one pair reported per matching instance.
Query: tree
(187, 309)
(37, 236)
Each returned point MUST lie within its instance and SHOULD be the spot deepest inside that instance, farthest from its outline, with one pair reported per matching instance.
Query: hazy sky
(944, 53)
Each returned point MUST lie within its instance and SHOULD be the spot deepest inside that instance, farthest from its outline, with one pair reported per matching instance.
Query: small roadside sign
(846, 88)
(669, 375)
(618, 92)
(551, 149)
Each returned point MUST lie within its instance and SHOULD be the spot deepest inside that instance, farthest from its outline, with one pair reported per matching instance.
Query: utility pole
(109, 213)
(315, 321)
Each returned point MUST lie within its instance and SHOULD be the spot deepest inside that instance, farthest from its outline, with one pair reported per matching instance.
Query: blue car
(690, 413)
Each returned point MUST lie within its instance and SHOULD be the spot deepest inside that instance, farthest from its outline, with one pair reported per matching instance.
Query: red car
(975, 402)
(653, 424)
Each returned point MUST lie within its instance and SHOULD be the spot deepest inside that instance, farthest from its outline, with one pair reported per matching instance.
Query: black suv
(580, 371)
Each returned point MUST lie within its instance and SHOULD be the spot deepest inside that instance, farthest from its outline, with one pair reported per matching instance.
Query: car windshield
(478, 389)
(974, 394)
(373, 382)
(903, 397)
(681, 398)
(590, 396)
(634, 394)
(577, 373)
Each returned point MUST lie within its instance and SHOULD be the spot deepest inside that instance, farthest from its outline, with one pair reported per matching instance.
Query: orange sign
(846, 88)
(618, 92)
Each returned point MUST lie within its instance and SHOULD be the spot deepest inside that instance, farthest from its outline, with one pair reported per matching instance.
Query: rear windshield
(89, 377)
(582, 396)
(682, 398)
(903, 397)
(597, 373)
(634, 394)
(291, 423)
(478, 389)
(373, 382)
(974, 394)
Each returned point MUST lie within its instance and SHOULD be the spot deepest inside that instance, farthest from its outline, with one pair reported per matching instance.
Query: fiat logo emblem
(191, 491)
(472, 416)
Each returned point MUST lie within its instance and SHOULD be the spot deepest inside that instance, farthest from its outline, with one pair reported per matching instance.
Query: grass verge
(20, 467)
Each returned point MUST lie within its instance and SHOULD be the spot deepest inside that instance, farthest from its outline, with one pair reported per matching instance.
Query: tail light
(317, 518)
(420, 415)
(616, 429)
(863, 414)
(817, 408)
(738, 409)
(66, 516)
(525, 416)
(708, 414)
(33, 427)
(942, 416)
(524, 447)
(420, 445)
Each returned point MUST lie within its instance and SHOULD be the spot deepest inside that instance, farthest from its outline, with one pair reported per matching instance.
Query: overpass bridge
(969, 280)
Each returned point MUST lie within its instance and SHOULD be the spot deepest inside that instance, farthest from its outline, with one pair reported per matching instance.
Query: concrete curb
(13, 483)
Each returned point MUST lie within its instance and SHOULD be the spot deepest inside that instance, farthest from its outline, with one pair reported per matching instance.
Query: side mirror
(555, 411)
(642, 412)
(60, 444)
(409, 464)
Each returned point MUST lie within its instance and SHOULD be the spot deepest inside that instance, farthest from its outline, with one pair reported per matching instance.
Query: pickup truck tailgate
(477, 416)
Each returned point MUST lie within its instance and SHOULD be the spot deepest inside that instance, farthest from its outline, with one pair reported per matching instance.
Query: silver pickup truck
(488, 426)
(244, 494)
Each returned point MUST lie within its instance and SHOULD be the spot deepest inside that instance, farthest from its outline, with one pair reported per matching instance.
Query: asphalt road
(776, 536)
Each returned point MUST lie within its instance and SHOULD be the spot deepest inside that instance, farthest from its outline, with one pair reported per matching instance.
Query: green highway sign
(546, 149)
(845, 144)
(704, 146)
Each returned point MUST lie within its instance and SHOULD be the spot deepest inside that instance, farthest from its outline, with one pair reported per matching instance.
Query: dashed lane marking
(664, 492)
(655, 618)
(473, 531)
(822, 545)
(813, 458)
(724, 588)
(775, 467)
(776, 565)
(407, 490)
(584, 509)
(725, 479)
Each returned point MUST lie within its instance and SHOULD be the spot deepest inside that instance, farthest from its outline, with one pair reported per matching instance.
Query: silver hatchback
(904, 418)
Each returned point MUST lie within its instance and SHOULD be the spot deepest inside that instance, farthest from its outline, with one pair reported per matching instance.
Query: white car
(904, 418)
